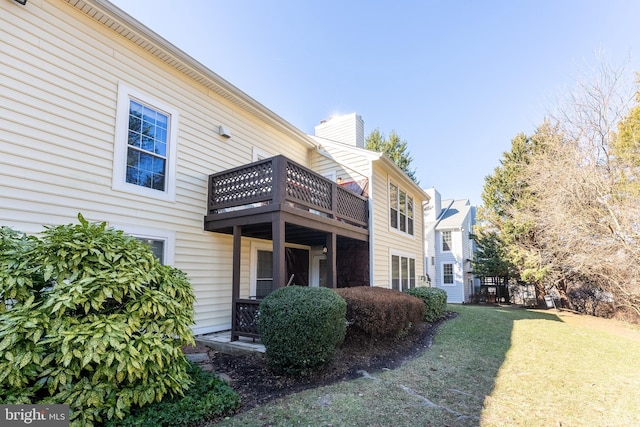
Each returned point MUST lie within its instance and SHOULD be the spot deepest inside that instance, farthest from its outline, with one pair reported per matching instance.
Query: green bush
(209, 397)
(435, 301)
(301, 327)
(379, 313)
(90, 319)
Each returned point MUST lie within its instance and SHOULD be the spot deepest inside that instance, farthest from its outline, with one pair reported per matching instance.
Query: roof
(118, 21)
(372, 156)
(454, 213)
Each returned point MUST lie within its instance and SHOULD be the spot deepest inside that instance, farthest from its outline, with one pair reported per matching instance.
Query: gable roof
(454, 215)
(118, 21)
(371, 156)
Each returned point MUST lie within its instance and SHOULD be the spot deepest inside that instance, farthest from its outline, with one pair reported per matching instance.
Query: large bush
(301, 327)
(379, 313)
(90, 319)
(207, 398)
(434, 299)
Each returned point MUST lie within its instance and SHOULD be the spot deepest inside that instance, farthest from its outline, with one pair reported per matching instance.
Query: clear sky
(456, 79)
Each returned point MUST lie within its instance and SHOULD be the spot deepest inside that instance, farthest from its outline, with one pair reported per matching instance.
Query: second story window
(446, 241)
(400, 209)
(145, 146)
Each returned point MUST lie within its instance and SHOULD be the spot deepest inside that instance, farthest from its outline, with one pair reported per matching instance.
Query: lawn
(489, 366)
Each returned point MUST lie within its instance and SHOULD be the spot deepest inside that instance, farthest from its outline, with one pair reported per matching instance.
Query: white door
(318, 270)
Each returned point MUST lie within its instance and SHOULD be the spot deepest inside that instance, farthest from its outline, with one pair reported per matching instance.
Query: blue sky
(456, 79)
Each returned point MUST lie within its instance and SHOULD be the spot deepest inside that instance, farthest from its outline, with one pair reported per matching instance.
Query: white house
(448, 246)
(102, 116)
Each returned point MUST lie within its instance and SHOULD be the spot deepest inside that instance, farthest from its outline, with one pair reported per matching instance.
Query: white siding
(386, 239)
(59, 76)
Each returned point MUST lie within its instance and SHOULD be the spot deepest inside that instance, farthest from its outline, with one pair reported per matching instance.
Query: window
(403, 272)
(393, 205)
(156, 246)
(161, 242)
(145, 146)
(447, 274)
(258, 154)
(446, 241)
(264, 274)
(400, 209)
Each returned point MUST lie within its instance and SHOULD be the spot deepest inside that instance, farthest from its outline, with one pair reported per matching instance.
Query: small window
(447, 274)
(395, 272)
(403, 272)
(446, 240)
(393, 205)
(161, 242)
(264, 274)
(156, 246)
(145, 146)
(401, 215)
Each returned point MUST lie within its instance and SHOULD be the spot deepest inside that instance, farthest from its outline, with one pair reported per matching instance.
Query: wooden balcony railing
(280, 180)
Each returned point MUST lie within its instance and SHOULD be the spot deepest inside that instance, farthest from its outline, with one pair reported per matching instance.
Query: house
(395, 201)
(103, 116)
(449, 248)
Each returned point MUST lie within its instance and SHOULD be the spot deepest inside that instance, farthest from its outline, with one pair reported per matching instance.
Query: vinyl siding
(387, 239)
(59, 76)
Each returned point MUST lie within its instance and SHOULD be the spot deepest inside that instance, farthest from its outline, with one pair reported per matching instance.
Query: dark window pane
(395, 272)
(394, 218)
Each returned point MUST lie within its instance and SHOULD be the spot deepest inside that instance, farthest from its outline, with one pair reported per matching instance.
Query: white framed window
(401, 212)
(446, 241)
(261, 273)
(144, 159)
(161, 242)
(447, 274)
(403, 272)
(258, 154)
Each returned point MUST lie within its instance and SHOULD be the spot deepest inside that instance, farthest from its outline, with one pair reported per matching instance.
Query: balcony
(247, 194)
(279, 200)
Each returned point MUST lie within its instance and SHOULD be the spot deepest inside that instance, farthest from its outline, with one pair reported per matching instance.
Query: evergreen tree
(395, 148)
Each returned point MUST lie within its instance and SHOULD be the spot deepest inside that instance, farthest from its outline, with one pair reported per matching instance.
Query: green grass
(487, 367)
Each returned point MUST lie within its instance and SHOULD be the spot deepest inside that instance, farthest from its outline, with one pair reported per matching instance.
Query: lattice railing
(308, 188)
(352, 207)
(280, 178)
(245, 322)
(241, 186)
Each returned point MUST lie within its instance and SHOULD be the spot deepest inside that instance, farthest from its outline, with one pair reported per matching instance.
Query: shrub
(380, 313)
(209, 397)
(434, 299)
(93, 321)
(301, 327)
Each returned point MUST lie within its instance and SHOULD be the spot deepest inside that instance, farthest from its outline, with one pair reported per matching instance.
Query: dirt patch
(257, 384)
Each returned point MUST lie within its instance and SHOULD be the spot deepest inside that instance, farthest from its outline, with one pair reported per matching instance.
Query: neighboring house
(100, 115)
(449, 248)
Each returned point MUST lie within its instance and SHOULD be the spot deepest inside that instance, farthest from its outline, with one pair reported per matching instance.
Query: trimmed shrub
(91, 319)
(209, 397)
(434, 299)
(300, 327)
(380, 313)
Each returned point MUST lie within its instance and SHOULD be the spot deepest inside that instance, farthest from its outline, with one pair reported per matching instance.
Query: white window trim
(258, 154)
(119, 183)
(442, 249)
(168, 236)
(393, 253)
(253, 263)
(453, 272)
(407, 194)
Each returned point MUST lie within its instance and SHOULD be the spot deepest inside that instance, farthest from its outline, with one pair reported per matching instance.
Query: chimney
(348, 129)
(434, 206)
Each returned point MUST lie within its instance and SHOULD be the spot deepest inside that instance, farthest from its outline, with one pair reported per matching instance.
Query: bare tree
(587, 229)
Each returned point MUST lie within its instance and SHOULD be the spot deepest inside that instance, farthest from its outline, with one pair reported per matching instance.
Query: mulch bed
(251, 377)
